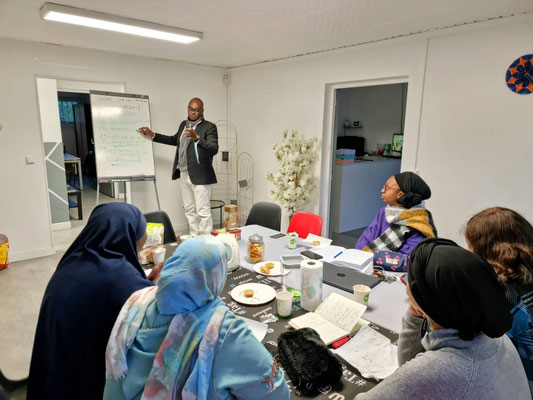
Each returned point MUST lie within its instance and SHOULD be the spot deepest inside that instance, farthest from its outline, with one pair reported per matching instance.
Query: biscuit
(264, 269)
(269, 265)
(248, 293)
(316, 242)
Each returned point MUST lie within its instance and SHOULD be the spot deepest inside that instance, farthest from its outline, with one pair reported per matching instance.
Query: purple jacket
(380, 225)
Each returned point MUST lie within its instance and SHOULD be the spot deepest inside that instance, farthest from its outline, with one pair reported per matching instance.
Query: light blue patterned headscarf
(190, 284)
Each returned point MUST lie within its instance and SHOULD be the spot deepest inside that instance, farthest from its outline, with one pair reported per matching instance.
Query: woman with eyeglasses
(403, 222)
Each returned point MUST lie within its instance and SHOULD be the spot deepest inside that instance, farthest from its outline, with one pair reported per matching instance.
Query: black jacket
(200, 170)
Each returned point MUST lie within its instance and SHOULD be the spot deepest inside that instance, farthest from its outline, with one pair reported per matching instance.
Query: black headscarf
(458, 289)
(414, 189)
(94, 278)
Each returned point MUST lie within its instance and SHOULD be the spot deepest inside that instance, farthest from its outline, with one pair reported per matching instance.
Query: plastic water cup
(361, 294)
(159, 255)
(284, 303)
(292, 240)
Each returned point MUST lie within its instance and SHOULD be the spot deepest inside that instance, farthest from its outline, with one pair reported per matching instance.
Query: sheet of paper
(328, 253)
(259, 329)
(371, 353)
(328, 332)
(341, 311)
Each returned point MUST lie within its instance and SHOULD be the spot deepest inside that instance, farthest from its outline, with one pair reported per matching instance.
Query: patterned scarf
(402, 221)
(189, 287)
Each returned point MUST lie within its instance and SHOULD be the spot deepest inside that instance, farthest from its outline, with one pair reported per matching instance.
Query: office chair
(265, 214)
(304, 223)
(161, 217)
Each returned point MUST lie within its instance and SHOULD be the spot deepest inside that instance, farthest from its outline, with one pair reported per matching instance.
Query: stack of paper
(355, 259)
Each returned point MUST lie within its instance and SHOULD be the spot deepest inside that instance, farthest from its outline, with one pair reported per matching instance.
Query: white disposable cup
(183, 238)
(361, 294)
(159, 255)
(284, 303)
(292, 240)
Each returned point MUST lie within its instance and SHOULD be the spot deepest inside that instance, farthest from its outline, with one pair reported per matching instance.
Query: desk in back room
(356, 191)
(70, 159)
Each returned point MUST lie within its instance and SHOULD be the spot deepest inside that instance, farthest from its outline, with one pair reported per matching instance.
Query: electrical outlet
(225, 156)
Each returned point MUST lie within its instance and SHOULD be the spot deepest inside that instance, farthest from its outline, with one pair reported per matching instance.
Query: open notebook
(335, 318)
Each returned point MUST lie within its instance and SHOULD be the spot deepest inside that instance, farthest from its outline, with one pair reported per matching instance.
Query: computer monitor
(397, 142)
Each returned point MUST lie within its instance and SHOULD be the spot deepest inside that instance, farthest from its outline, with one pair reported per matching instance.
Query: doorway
(67, 140)
(362, 122)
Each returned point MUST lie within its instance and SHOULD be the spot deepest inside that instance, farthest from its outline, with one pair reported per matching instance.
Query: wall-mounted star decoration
(519, 75)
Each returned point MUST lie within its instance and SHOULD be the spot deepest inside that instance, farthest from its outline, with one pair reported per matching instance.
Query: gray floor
(22, 285)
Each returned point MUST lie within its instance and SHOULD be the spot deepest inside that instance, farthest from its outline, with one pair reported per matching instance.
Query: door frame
(328, 147)
(77, 86)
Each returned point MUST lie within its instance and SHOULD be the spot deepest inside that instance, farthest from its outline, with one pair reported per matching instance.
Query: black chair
(8, 386)
(265, 214)
(161, 217)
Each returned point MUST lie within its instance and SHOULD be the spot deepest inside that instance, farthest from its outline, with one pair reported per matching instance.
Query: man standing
(197, 143)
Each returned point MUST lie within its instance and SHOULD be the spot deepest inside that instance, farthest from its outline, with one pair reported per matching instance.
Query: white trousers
(197, 205)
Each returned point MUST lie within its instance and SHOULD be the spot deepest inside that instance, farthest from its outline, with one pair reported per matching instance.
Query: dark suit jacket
(200, 170)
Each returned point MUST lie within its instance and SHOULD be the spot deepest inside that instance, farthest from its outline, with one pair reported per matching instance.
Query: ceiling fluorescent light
(93, 19)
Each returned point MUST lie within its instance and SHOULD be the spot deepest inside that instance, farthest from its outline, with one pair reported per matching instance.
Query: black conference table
(389, 301)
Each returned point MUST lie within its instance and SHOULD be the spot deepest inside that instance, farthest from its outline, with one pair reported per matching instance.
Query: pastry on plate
(316, 242)
(248, 293)
(264, 269)
(269, 265)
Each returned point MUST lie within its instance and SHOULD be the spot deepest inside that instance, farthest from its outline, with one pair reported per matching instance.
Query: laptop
(344, 278)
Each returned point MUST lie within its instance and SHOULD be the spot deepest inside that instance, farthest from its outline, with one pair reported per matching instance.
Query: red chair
(304, 223)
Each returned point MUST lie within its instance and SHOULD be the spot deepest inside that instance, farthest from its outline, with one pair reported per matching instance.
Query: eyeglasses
(194, 110)
(385, 188)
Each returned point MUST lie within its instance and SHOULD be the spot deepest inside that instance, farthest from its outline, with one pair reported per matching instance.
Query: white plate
(262, 294)
(275, 271)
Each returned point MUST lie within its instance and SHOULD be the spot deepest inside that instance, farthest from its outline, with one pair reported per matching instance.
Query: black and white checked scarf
(392, 238)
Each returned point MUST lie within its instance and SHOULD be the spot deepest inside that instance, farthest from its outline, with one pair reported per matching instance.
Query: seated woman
(179, 340)
(402, 223)
(97, 274)
(466, 354)
(505, 239)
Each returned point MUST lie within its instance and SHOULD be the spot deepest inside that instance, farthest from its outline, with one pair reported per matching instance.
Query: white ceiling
(240, 32)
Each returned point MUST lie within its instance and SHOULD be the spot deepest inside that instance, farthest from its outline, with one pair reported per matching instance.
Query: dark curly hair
(505, 239)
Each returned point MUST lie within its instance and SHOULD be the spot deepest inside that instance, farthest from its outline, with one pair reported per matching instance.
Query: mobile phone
(404, 279)
(277, 235)
(311, 255)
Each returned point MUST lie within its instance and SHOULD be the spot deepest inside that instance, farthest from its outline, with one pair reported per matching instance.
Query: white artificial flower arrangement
(294, 180)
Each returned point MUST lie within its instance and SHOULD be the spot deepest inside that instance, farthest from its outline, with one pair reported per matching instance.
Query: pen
(338, 254)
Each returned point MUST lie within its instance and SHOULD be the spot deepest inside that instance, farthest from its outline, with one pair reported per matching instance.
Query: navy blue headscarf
(94, 278)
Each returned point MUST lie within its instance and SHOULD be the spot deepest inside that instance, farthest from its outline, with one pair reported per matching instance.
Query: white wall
(465, 132)
(268, 99)
(24, 214)
(476, 143)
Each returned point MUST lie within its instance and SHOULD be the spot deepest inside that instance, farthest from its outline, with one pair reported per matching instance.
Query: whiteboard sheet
(120, 150)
